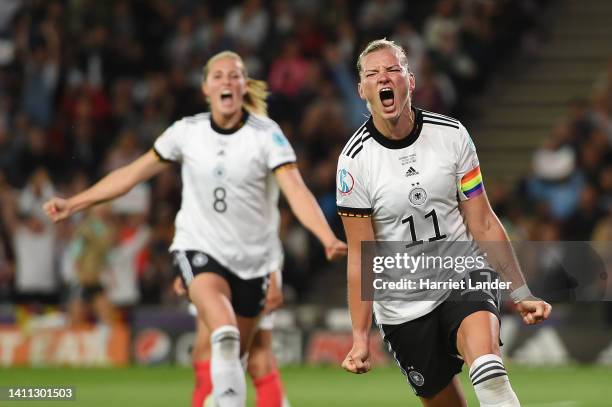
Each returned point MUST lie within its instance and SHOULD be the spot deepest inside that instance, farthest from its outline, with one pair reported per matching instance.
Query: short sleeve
(468, 176)
(352, 198)
(167, 146)
(279, 151)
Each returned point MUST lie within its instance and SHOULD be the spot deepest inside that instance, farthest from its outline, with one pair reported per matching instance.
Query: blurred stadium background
(86, 86)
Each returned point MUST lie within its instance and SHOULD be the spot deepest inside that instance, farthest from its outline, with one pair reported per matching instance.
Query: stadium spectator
(128, 253)
(33, 241)
(86, 265)
(247, 24)
(581, 223)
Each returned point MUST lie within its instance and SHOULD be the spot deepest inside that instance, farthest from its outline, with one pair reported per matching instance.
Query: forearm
(111, 186)
(306, 209)
(493, 241)
(360, 310)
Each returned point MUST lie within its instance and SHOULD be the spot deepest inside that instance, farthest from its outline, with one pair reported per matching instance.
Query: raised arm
(305, 207)
(358, 230)
(488, 231)
(115, 184)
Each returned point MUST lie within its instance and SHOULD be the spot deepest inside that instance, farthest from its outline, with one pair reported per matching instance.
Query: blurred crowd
(86, 87)
(568, 194)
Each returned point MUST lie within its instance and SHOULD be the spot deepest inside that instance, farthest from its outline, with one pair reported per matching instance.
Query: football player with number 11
(411, 175)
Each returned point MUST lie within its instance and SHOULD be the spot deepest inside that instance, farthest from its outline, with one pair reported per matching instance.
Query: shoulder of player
(195, 119)
(356, 143)
(188, 123)
(433, 120)
(261, 123)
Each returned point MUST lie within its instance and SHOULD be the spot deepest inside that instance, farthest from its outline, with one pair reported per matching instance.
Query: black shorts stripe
(161, 157)
(493, 376)
(441, 123)
(354, 212)
(479, 369)
(185, 267)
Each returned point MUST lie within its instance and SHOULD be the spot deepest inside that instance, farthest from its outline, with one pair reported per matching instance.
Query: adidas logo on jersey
(229, 393)
(411, 171)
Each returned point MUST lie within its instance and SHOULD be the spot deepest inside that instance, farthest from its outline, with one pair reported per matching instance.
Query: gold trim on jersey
(285, 166)
(353, 215)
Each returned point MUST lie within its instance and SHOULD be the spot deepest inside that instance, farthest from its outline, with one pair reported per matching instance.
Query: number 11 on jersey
(436, 227)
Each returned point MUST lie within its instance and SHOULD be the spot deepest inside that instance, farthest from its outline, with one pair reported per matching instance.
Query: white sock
(227, 375)
(491, 383)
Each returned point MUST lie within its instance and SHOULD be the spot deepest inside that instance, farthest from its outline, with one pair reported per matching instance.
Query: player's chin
(388, 113)
(228, 109)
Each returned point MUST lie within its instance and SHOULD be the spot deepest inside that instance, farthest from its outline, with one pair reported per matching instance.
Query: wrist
(521, 293)
(329, 241)
(361, 336)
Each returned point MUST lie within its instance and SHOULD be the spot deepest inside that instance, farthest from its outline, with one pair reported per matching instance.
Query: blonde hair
(379, 44)
(257, 91)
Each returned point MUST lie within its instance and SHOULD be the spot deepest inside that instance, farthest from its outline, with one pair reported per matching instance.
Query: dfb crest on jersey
(345, 181)
(219, 171)
(416, 378)
(417, 195)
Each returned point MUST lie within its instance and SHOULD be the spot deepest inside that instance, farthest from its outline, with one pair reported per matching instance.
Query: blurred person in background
(33, 240)
(129, 252)
(86, 264)
(226, 242)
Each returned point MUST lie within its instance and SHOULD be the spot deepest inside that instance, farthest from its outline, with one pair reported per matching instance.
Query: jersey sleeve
(468, 176)
(167, 146)
(279, 151)
(352, 198)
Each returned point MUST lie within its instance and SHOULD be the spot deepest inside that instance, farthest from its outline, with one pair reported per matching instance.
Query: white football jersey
(229, 203)
(411, 189)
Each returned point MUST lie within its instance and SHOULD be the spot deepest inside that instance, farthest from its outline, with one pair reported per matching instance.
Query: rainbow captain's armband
(471, 183)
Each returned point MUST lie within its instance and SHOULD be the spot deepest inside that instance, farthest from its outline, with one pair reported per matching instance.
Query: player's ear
(411, 82)
(360, 90)
(205, 89)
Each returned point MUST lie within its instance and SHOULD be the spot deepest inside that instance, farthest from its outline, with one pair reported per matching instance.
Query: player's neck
(228, 122)
(396, 128)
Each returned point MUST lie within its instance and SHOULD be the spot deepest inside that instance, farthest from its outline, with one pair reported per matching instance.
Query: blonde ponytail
(255, 99)
(257, 91)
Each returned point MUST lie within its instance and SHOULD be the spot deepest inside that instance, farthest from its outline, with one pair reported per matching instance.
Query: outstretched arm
(305, 207)
(115, 184)
(488, 231)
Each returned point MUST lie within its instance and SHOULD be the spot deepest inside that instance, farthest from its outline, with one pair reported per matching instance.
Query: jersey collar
(402, 143)
(220, 130)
